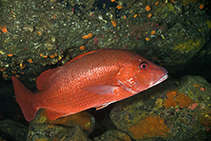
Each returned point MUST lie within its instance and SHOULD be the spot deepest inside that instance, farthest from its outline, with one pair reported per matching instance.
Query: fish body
(91, 80)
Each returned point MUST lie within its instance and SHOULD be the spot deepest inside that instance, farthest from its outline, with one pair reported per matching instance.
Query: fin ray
(23, 97)
(53, 115)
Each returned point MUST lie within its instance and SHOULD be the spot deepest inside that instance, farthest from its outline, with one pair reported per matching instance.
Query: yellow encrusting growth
(157, 3)
(30, 61)
(119, 7)
(190, 45)
(3, 28)
(149, 16)
(135, 15)
(147, 39)
(183, 100)
(114, 23)
(201, 6)
(150, 126)
(148, 8)
(82, 48)
(87, 36)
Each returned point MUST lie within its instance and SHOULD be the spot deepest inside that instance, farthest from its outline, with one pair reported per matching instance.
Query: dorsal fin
(45, 77)
(82, 55)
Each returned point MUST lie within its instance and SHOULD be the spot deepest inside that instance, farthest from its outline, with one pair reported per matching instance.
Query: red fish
(94, 79)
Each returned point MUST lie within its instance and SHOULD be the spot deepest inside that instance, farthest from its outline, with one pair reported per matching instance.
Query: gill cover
(126, 78)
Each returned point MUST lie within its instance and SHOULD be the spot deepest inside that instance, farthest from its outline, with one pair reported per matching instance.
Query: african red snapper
(94, 79)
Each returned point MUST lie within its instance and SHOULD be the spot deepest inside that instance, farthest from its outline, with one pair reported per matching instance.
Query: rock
(113, 135)
(12, 131)
(2, 139)
(52, 32)
(85, 120)
(49, 132)
(182, 111)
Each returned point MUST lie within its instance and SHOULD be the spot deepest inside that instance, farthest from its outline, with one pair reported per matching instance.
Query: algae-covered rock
(113, 135)
(182, 111)
(50, 132)
(2, 139)
(83, 119)
(38, 34)
(11, 130)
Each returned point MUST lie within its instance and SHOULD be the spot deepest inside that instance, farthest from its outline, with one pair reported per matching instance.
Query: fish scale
(91, 80)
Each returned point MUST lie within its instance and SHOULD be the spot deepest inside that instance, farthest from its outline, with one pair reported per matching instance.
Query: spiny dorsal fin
(82, 55)
(45, 77)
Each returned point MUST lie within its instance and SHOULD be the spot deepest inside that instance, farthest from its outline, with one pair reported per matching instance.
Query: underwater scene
(105, 70)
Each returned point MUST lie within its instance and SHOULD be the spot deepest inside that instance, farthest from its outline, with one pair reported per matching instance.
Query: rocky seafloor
(43, 34)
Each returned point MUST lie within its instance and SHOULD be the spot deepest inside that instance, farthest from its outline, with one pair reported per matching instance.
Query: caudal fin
(24, 97)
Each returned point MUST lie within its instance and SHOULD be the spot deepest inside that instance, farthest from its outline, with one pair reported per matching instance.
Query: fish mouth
(161, 79)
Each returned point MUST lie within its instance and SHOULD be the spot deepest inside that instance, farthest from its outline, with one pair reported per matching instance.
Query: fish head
(139, 74)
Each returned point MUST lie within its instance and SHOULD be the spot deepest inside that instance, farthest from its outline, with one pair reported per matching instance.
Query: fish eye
(143, 66)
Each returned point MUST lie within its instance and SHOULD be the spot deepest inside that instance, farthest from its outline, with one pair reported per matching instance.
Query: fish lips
(160, 79)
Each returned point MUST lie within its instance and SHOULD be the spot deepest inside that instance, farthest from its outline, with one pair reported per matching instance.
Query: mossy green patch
(208, 24)
(170, 7)
(190, 45)
(189, 1)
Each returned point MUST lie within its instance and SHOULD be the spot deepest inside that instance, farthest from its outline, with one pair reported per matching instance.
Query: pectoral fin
(101, 107)
(102, 89)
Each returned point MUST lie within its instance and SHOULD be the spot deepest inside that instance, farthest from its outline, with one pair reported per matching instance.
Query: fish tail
(24, 98)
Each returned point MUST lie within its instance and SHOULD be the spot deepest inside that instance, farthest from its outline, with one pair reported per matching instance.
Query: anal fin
(52, 115)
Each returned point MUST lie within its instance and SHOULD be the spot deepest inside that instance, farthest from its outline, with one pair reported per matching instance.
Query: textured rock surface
(113, 135)
(11, 130)
(182, 111)
(85, 120)
(53, 132)
(39, 33)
